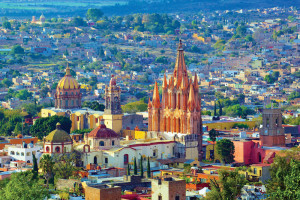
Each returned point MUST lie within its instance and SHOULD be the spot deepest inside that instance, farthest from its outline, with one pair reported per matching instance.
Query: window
(47, 149)
(22, 153)
(96, 120)
(66, 93)
(112, 143)
(255, 171)
(57, 149)
(106, 160)
(177, 197)
(72, 102)
(18, 153)
(72, 93)
(65, 149)
(12, 153)
(77, 118)
(159, 197)
(101, 143)
(28, 154)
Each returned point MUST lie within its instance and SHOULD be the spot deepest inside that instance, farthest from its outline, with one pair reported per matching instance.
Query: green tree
(128, 170)
(35, 169)
(220, 109)
(294, 95)
(225, 149)
(46, 164)
(134, 166)
(43, 126)
(141, 167)
(6, 82)
(228, 186)
(22, 185)
(78, 21)
(148, 168)
(94, 14)
(64, 166)
(17, 49)
(285, 176)
(23, 94)
(241, 30)
(93, 105)
(215, 109)
(213, 134)
(6, 25)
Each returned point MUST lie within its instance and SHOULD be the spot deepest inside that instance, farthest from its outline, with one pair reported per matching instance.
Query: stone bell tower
(113, 113)
(272, 133)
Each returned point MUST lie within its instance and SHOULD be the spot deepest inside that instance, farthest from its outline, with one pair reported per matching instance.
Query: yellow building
(228, 125)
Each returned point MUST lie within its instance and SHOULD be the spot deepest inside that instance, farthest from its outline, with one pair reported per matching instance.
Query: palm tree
(46, 164)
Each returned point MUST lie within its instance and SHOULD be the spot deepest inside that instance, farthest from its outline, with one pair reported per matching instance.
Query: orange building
(180, 108)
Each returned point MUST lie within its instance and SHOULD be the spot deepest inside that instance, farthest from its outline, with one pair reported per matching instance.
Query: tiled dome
(58, 135)
(102, 132)
(68, 82)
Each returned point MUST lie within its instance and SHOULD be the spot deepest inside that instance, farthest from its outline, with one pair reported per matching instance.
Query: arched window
(72, 102)
(125, 159)
(66, 93)
(101, 143)
(72, 93)
(47, 149)
(57, 149)
(22, 153)
(112, 143)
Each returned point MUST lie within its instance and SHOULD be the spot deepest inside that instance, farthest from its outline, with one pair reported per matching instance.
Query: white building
(24, 152)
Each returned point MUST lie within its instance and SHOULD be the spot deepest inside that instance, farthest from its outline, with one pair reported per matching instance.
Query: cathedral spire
(180, 71)
(191, 101)
(196, 86)
(155, 99)
(149, 103)
(165, 83)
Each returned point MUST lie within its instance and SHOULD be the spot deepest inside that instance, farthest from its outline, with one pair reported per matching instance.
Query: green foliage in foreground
(285, 176)
(22, 185)
(228, 187)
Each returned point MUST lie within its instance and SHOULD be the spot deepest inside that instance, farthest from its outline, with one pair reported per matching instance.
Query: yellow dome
(68, 82)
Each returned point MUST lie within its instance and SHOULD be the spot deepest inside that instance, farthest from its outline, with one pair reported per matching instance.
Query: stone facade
(272, 133)
(180, 108)
(103, 192)
(168, 188)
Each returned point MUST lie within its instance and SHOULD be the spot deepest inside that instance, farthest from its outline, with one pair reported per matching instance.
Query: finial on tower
(180, 45)
(68, 70)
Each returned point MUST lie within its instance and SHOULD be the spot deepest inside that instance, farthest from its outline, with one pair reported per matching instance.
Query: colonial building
(180, 108)
(58, 141)
(68, 104)
(178, 115)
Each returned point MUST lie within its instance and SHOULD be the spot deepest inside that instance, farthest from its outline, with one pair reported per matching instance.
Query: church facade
(177, 115)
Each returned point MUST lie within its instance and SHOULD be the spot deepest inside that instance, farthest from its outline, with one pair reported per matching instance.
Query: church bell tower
(113, 113)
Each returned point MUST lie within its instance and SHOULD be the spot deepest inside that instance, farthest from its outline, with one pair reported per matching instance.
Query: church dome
(68, 82)
(58, 135)
(102, 132)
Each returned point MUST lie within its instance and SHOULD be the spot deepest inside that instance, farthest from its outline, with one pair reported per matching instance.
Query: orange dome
(102, 132)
